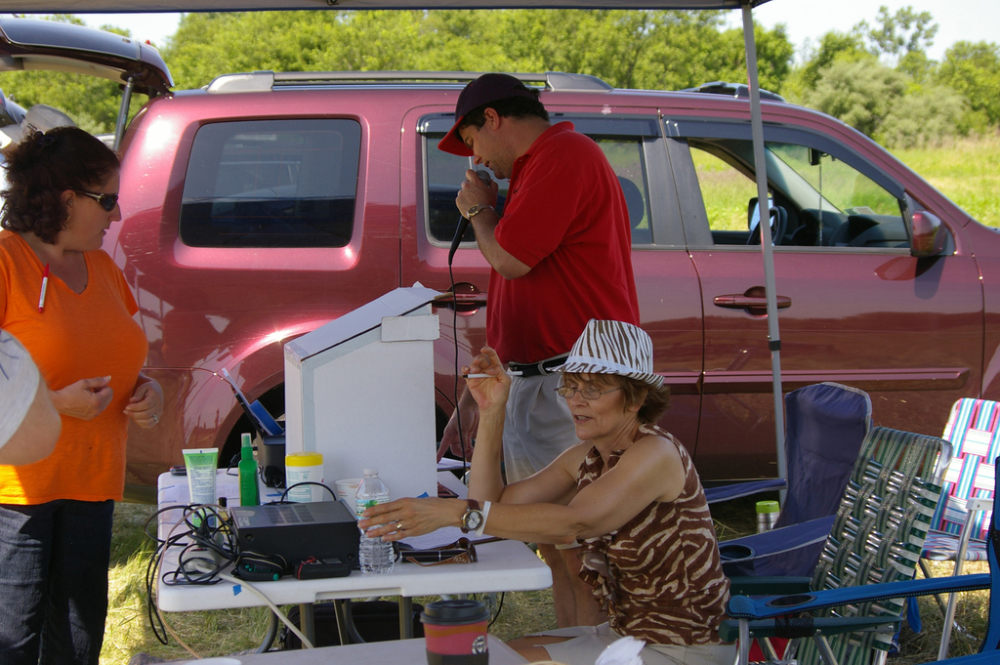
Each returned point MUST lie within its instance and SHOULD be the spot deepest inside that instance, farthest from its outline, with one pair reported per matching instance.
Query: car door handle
(467, 298)
(743, 301)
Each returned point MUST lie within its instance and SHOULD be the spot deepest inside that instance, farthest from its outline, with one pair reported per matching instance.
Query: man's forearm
(485, 224)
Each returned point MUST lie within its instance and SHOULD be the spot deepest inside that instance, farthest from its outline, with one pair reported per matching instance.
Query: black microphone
(463, 223)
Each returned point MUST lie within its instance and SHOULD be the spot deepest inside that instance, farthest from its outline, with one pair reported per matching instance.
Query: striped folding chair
(764, 611)
(962, 519)
(877, 537)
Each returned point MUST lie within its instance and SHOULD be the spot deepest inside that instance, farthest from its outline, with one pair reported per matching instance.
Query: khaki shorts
(537, 429)
(538, 426)
(587, 643)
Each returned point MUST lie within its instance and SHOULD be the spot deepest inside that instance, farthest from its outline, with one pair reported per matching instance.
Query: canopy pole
(760, 166)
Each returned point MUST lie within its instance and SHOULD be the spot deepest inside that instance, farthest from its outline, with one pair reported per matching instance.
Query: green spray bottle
(248, 474)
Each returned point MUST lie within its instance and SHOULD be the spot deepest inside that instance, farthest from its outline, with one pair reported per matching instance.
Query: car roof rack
(262, 81)
(737, 90)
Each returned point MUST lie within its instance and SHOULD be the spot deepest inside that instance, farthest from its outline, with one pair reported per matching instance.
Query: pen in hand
(45, 286)
(487, 376)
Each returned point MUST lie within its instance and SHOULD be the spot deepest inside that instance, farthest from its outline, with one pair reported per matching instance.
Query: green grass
(967, 172)
(127, 630)
(227, 632)
(725, 190)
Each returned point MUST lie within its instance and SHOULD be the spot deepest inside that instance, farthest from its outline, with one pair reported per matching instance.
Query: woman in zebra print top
(628, 492)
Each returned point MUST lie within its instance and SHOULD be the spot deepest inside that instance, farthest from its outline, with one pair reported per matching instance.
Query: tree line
(877, 78)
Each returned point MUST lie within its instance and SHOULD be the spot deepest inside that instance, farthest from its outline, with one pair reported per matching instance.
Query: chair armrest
(738, 490)
(793, 628)
(979, 504)
(745, 607)
(768, 586)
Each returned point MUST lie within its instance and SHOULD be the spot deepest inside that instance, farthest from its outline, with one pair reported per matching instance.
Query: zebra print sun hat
(613, 347)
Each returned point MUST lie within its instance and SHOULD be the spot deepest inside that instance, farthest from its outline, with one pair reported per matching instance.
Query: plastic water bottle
(374, 554)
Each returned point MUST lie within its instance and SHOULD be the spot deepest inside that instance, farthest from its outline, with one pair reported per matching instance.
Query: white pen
(487, 376)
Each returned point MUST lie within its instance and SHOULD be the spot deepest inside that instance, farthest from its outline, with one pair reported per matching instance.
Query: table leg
(405, 618)
(307, 619)
(342, 606)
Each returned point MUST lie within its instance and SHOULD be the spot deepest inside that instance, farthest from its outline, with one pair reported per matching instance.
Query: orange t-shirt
(77, 336)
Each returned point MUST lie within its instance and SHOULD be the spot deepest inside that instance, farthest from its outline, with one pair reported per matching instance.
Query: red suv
(267, 204)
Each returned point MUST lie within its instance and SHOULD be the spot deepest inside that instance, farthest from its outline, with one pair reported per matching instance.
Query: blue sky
(972, 20)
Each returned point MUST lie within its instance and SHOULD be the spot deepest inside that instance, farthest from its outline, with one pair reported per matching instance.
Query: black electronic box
(298, 531)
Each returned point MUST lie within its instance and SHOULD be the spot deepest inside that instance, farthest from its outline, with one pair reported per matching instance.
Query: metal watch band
(476, 209)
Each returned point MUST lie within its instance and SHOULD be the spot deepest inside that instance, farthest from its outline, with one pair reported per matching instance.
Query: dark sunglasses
(106, 201)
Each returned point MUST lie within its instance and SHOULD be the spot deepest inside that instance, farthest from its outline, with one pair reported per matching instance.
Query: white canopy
(139, 6)
(123, 6)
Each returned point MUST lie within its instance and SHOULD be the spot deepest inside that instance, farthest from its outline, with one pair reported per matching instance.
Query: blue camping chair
(826, 424)
(768, 615)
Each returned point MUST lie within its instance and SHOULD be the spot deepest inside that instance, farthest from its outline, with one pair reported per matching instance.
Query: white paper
(441, 537)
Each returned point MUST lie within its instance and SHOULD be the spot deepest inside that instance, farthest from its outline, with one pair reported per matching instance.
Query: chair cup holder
(735, 552)
(788, 601)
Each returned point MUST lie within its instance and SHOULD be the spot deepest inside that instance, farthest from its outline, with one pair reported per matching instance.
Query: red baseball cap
(485, 89)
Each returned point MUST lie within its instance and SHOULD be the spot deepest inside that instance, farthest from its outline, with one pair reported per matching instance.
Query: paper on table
(439, 538)
(446, 463)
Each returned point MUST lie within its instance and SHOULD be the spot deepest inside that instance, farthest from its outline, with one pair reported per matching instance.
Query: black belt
(537, 369)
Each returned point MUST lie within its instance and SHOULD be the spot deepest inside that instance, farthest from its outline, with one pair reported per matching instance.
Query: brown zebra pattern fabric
(659, 576)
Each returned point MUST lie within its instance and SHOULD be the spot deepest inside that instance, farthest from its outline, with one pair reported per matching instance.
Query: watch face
(473, 519)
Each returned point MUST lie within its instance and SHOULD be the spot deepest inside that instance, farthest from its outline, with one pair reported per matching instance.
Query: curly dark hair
(512, 107)
(653, 402)
(41, 168)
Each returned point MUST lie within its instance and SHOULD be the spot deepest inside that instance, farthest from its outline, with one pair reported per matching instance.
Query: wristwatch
(475, 210)
(473, 517)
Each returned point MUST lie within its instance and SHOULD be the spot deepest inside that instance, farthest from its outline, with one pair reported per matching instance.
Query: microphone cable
(460, 230)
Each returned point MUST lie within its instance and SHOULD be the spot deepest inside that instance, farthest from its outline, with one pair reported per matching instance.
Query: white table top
(405, 652)
(502, 566)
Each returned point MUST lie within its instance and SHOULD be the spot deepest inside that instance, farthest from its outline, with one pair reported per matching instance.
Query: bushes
(887, 105)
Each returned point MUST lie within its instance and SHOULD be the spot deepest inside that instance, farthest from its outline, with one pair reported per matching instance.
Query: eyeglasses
(588, 393)
(106, 201)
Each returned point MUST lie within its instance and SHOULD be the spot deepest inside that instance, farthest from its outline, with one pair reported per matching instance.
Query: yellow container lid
(303, 459)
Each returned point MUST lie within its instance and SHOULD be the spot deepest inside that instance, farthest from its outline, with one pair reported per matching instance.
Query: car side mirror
(928, 234)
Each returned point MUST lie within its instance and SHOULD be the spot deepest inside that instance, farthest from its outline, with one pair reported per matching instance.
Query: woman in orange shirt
(69, 305)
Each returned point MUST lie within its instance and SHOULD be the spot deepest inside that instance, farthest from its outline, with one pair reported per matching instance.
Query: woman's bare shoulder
(658, 444)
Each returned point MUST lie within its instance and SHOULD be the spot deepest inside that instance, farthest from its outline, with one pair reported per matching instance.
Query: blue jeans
(54, 581)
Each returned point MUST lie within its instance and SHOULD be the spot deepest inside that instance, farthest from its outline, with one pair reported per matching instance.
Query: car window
(446, 172)
(824, 201)
(725, 191)
(273, 183)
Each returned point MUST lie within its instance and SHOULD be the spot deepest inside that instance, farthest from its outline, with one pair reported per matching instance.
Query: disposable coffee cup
(455, 631)
(347, 489)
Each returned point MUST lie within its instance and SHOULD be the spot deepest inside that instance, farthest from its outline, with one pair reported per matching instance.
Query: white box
(360, 390)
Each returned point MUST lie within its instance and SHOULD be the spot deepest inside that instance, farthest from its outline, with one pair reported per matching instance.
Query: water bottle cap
(371, 471)
(768, 507)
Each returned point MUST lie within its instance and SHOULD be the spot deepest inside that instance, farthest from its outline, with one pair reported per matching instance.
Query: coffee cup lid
(456, 611)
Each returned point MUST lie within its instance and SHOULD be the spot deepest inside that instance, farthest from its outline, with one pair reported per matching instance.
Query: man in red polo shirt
(561, 255)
